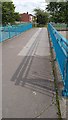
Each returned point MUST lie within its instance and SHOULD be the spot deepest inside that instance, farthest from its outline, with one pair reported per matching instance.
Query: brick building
(25, 17)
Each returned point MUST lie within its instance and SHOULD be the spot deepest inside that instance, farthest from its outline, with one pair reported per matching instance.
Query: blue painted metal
(7, 32)
(60, 45)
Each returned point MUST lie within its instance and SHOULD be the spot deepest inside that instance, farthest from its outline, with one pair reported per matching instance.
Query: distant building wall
(25, 17)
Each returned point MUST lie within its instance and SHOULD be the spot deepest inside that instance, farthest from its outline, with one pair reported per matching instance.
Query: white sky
(28, 5)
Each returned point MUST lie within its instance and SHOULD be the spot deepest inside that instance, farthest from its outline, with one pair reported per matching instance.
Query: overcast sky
(28, 5)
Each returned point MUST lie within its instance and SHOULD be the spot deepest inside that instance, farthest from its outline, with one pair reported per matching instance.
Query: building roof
(26, 14)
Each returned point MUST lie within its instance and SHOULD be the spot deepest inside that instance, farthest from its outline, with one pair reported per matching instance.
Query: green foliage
(17, 16)
(58, 11)
(42, 16)
(8, 13)
(0, 13)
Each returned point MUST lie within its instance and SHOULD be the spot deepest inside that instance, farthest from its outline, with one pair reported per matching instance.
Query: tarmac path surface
(27, 81)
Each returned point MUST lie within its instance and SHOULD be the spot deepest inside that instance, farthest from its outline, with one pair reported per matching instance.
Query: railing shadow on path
(36, 82)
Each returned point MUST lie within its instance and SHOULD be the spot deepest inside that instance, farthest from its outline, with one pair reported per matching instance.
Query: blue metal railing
(7, 32)
(60, 45)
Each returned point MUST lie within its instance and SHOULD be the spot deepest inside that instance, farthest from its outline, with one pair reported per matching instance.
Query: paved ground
(28, 86)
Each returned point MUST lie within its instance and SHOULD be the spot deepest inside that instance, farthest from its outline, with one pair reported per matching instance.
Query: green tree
(8, 13)
(0, 13)
(42, 16)
(17, 16)
(66, 13)
(58, 11)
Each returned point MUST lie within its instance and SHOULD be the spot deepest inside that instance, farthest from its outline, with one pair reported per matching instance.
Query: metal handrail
(10, 31)
(60, 45)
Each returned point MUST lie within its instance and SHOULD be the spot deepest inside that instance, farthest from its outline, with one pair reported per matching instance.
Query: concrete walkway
(28, 86)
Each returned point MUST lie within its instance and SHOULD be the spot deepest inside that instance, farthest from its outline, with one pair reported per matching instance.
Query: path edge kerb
(55, 77)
